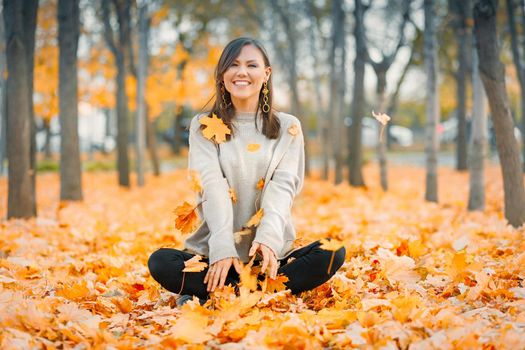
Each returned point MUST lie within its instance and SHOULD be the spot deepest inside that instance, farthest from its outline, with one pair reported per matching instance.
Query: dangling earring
(266, 106)
(223, 104)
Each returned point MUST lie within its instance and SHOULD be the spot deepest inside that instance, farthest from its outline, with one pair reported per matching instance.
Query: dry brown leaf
(215, 128)
(238, 236)
(260, 184)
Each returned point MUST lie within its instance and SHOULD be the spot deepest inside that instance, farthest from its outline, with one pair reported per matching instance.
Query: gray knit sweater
(233, 164)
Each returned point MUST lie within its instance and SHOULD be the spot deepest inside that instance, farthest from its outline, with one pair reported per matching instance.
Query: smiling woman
(250, 161)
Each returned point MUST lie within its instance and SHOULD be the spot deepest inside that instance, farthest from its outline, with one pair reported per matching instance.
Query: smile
(241, 83)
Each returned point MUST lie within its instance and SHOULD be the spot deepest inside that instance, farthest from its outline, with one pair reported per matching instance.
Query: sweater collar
(244, 116)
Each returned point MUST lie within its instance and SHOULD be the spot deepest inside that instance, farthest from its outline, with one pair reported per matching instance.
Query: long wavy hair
(271, 125)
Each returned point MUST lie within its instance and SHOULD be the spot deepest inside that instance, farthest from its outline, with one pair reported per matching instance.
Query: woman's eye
(252, 65)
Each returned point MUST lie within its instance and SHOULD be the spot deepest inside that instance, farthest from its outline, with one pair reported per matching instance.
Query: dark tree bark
(460, 10)
(337, 86)
(432, 103)
(492, 73)
(3, 82)
(518, 63)
(151, 139)
(358, 99)
(70, 164)
(21, 202)
(120, 51)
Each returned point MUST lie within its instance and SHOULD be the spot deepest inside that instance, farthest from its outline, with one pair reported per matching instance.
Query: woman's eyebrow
(236, 60)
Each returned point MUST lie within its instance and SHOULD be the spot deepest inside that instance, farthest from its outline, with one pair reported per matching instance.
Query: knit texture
(237, 165)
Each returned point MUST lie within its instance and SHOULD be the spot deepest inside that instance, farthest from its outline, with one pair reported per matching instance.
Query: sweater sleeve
(217, 205)
(285, 183)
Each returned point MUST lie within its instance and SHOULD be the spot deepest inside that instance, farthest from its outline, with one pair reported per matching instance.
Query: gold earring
(223, 104)
(266, 106)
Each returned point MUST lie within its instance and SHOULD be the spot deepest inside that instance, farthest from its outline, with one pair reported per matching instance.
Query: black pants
(308, 270)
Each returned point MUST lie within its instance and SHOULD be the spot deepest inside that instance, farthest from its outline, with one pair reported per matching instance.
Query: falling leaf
(260, 184)
(238, 236)
(293, 130)
(253, 147)
(233, 195)
(215, 128)
(187, 218)
(194, 264)
(381, 117)
(255, 219)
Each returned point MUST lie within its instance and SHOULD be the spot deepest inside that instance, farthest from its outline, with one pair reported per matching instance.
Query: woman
(263, 145)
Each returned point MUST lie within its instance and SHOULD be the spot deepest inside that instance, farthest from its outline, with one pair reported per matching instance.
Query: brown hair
(271, 125)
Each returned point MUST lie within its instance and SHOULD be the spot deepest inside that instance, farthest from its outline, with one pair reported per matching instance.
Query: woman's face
(246, 75)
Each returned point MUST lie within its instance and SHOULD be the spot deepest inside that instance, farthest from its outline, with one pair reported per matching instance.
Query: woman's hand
(269, 259)
(217, 272)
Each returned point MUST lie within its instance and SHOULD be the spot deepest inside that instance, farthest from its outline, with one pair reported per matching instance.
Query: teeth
(243, 83)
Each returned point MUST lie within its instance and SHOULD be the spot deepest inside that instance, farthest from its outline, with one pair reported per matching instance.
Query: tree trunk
(520, 69)
(3, 83)
(460, 10)
(29, 13)
(492, 73)
(152, 144)
(381, 143)
(70, 164)
(47, 143)
(337, 86)
(478, 140)
(120, 53)
(322, 119)
(432, 101)
(141, 85)
(21, 201)
(358, 99)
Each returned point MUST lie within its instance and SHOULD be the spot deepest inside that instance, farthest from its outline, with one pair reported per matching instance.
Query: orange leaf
(293, 130)
(195, 182)
(75, 291)
(256, 218)
(331, 245)
(233, 195)
(248, 280)
(277, 284)
(260, 184)
(215, 128)
(253, 147)
(186, 219)
(194, 264)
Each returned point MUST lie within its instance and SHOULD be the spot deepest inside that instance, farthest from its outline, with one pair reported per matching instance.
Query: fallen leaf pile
(417, 275)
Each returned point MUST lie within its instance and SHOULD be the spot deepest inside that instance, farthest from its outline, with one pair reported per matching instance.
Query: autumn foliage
(430, 275)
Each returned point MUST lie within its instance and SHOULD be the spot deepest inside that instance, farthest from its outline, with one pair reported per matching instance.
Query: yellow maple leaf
(275, 285)
(194, 264)
(253, 147)
(293, 130)
(76, 291)
(215, 128)
(332, 244)
(186, 219)
(248, 280)
(260, 184)
(233, 195)
(255, 219)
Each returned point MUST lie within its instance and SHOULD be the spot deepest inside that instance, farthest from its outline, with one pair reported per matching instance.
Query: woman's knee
(157, 264)
(339, 258)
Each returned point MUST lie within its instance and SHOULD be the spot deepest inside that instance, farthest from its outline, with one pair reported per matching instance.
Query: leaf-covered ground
(417, 275)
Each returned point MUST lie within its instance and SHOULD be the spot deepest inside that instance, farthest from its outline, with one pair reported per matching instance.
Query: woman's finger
(216, 277)
(266, 258)
(224, 273)
(253, 249)
(237, 266)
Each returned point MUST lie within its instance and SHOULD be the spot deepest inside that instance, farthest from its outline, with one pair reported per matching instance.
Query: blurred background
(145, 68)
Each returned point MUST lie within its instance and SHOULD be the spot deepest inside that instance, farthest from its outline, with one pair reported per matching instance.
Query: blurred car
(370, 133)
(448, 131)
